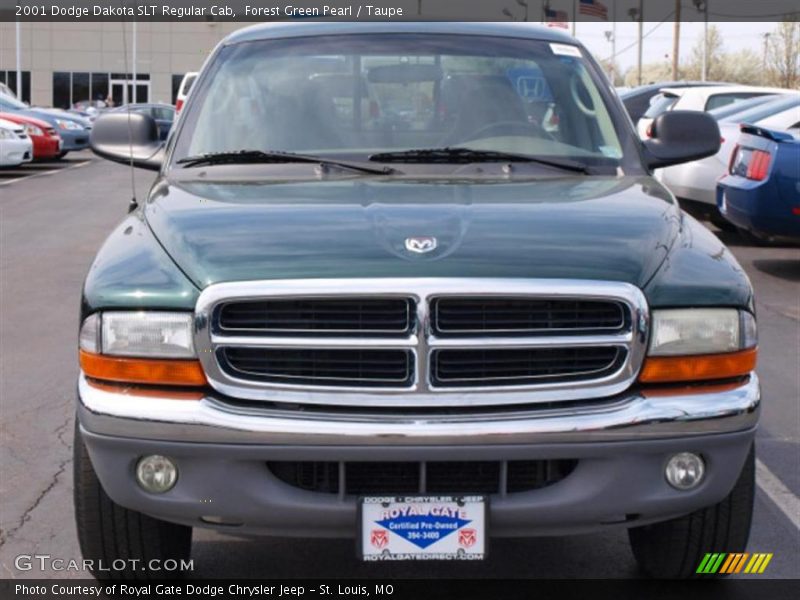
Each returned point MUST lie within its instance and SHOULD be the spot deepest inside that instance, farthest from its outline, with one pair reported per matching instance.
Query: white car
(16, 146)
(703, 98)
(183, 90)
(697, 181)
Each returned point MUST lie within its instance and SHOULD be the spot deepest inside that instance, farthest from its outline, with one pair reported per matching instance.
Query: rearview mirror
(128, 138)
(681, 136)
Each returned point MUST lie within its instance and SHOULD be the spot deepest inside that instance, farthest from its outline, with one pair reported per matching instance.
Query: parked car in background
(183, 90)
(703, 98)
(739, 106)
(15, 145)
(4, 89)
(73, 130)
(45, 139)
(163, 114)
(760, 194)
(638, 99)
(88, 109)
(695, 183)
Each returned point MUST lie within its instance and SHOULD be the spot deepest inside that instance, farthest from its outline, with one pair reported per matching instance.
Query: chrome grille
(386, 342)
(312, 366)
(525, 315)
(519, 366)
(317, 315)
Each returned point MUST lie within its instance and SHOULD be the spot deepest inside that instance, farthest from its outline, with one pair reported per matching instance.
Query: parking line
(781, 496)
(32, 175)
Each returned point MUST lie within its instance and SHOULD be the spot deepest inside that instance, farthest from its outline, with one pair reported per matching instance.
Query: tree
(715, 59)
(783, 54)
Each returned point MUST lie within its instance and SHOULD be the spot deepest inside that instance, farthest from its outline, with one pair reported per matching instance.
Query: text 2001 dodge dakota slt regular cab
(412, 284)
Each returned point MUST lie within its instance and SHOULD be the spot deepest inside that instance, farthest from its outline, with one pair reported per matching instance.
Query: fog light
(156, 474)
(685, 470)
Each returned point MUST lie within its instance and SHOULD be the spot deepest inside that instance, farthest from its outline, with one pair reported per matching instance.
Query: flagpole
(574, 17)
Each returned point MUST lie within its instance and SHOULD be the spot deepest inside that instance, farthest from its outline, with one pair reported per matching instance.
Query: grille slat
(525, 315)
(317, 315)
(319, 366)
(521, 365)
(452, 477)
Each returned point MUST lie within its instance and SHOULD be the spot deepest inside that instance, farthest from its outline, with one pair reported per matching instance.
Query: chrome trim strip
(421, 291)
(210, 420)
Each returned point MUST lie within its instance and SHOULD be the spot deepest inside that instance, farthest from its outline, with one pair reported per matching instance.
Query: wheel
(674, 549)
(109, 532)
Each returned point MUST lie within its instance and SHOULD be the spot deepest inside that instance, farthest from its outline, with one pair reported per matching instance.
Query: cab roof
(291, 29)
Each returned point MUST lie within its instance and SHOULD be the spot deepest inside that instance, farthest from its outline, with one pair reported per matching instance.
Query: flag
(556, 18)
(593, 8)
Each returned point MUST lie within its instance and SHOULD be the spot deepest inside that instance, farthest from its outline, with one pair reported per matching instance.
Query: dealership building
(66, 62)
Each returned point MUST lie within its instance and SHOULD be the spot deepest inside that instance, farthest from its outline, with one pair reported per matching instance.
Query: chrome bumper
(132, 414)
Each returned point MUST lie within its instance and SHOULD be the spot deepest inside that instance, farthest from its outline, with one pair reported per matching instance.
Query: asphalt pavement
(50, 229)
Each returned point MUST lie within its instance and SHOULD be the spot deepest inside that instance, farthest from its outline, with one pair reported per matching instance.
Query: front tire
(674, 549)
(108, 532)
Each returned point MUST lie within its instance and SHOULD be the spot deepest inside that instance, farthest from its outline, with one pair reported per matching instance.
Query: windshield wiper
(265, 157)
(468, 155)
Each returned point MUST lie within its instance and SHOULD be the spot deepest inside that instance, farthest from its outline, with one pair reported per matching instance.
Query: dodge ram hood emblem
(421, 244)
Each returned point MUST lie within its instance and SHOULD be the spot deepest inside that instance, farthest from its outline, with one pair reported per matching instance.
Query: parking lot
(54, 216)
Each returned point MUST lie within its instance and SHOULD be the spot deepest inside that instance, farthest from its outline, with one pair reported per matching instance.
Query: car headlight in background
(33, 130)
(140, 347)
(700, 344)
(71, 125)
(7, 134)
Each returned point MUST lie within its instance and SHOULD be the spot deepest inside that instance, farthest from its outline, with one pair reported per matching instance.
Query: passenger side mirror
(118, 136)
(681, 136)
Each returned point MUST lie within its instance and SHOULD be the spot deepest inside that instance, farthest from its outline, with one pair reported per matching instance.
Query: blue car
(163, 114)
(760, 194)
(73, 129)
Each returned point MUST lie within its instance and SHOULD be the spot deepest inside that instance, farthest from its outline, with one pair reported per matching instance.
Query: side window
(718, 100)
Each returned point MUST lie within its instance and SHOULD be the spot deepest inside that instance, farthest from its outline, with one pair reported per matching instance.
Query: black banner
(549, 11)
(441, 589)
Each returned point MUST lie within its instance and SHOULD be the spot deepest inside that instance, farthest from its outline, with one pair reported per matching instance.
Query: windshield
(359, 95)
(768, 109)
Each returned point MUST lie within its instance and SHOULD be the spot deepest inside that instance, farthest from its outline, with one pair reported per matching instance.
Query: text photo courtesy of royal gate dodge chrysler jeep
(378, 299)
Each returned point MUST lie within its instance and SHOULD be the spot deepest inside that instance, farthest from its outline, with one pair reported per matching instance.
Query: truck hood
(603, 228)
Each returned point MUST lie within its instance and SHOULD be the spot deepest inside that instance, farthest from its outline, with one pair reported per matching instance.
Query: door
(122, 91)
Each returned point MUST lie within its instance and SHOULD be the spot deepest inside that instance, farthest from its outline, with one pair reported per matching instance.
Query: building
(64, 63)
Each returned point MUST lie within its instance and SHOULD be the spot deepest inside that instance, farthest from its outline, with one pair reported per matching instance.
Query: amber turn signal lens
(704, 367)
(142, 370)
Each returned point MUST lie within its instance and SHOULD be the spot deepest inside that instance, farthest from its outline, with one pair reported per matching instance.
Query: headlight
(33, 130)
(140, 347)
(700, 344)
(7, 134)
(64, 124)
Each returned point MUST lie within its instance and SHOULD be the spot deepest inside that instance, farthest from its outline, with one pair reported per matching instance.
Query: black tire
(61, 155)
(674, 549)
(109, 532)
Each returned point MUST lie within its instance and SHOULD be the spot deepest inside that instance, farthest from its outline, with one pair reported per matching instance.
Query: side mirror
(126, 138)
(681, 136)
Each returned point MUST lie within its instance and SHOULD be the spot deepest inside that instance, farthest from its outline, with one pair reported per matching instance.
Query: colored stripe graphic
(722, 562)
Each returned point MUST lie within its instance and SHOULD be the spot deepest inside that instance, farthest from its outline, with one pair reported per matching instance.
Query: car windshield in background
(659, 105)
(362, 95)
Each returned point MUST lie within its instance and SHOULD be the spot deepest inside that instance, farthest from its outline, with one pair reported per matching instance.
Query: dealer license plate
(423, 528)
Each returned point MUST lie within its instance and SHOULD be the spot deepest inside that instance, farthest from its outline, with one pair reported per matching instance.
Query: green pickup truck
(411, 284)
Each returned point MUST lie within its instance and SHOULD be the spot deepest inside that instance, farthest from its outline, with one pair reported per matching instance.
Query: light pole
(19, 64)
(702, 6)
(524, 4)
(637, 14)
(766, 52)
(610, 37)
(133, 69)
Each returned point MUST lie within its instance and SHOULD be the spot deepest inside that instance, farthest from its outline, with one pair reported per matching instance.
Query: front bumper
(15, 152)
(72, 140)
(621, 446)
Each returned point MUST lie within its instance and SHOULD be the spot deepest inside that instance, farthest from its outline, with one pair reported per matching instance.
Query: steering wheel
(509, 128)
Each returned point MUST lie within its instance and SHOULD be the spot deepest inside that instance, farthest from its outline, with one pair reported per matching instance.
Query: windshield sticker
(565, 50)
